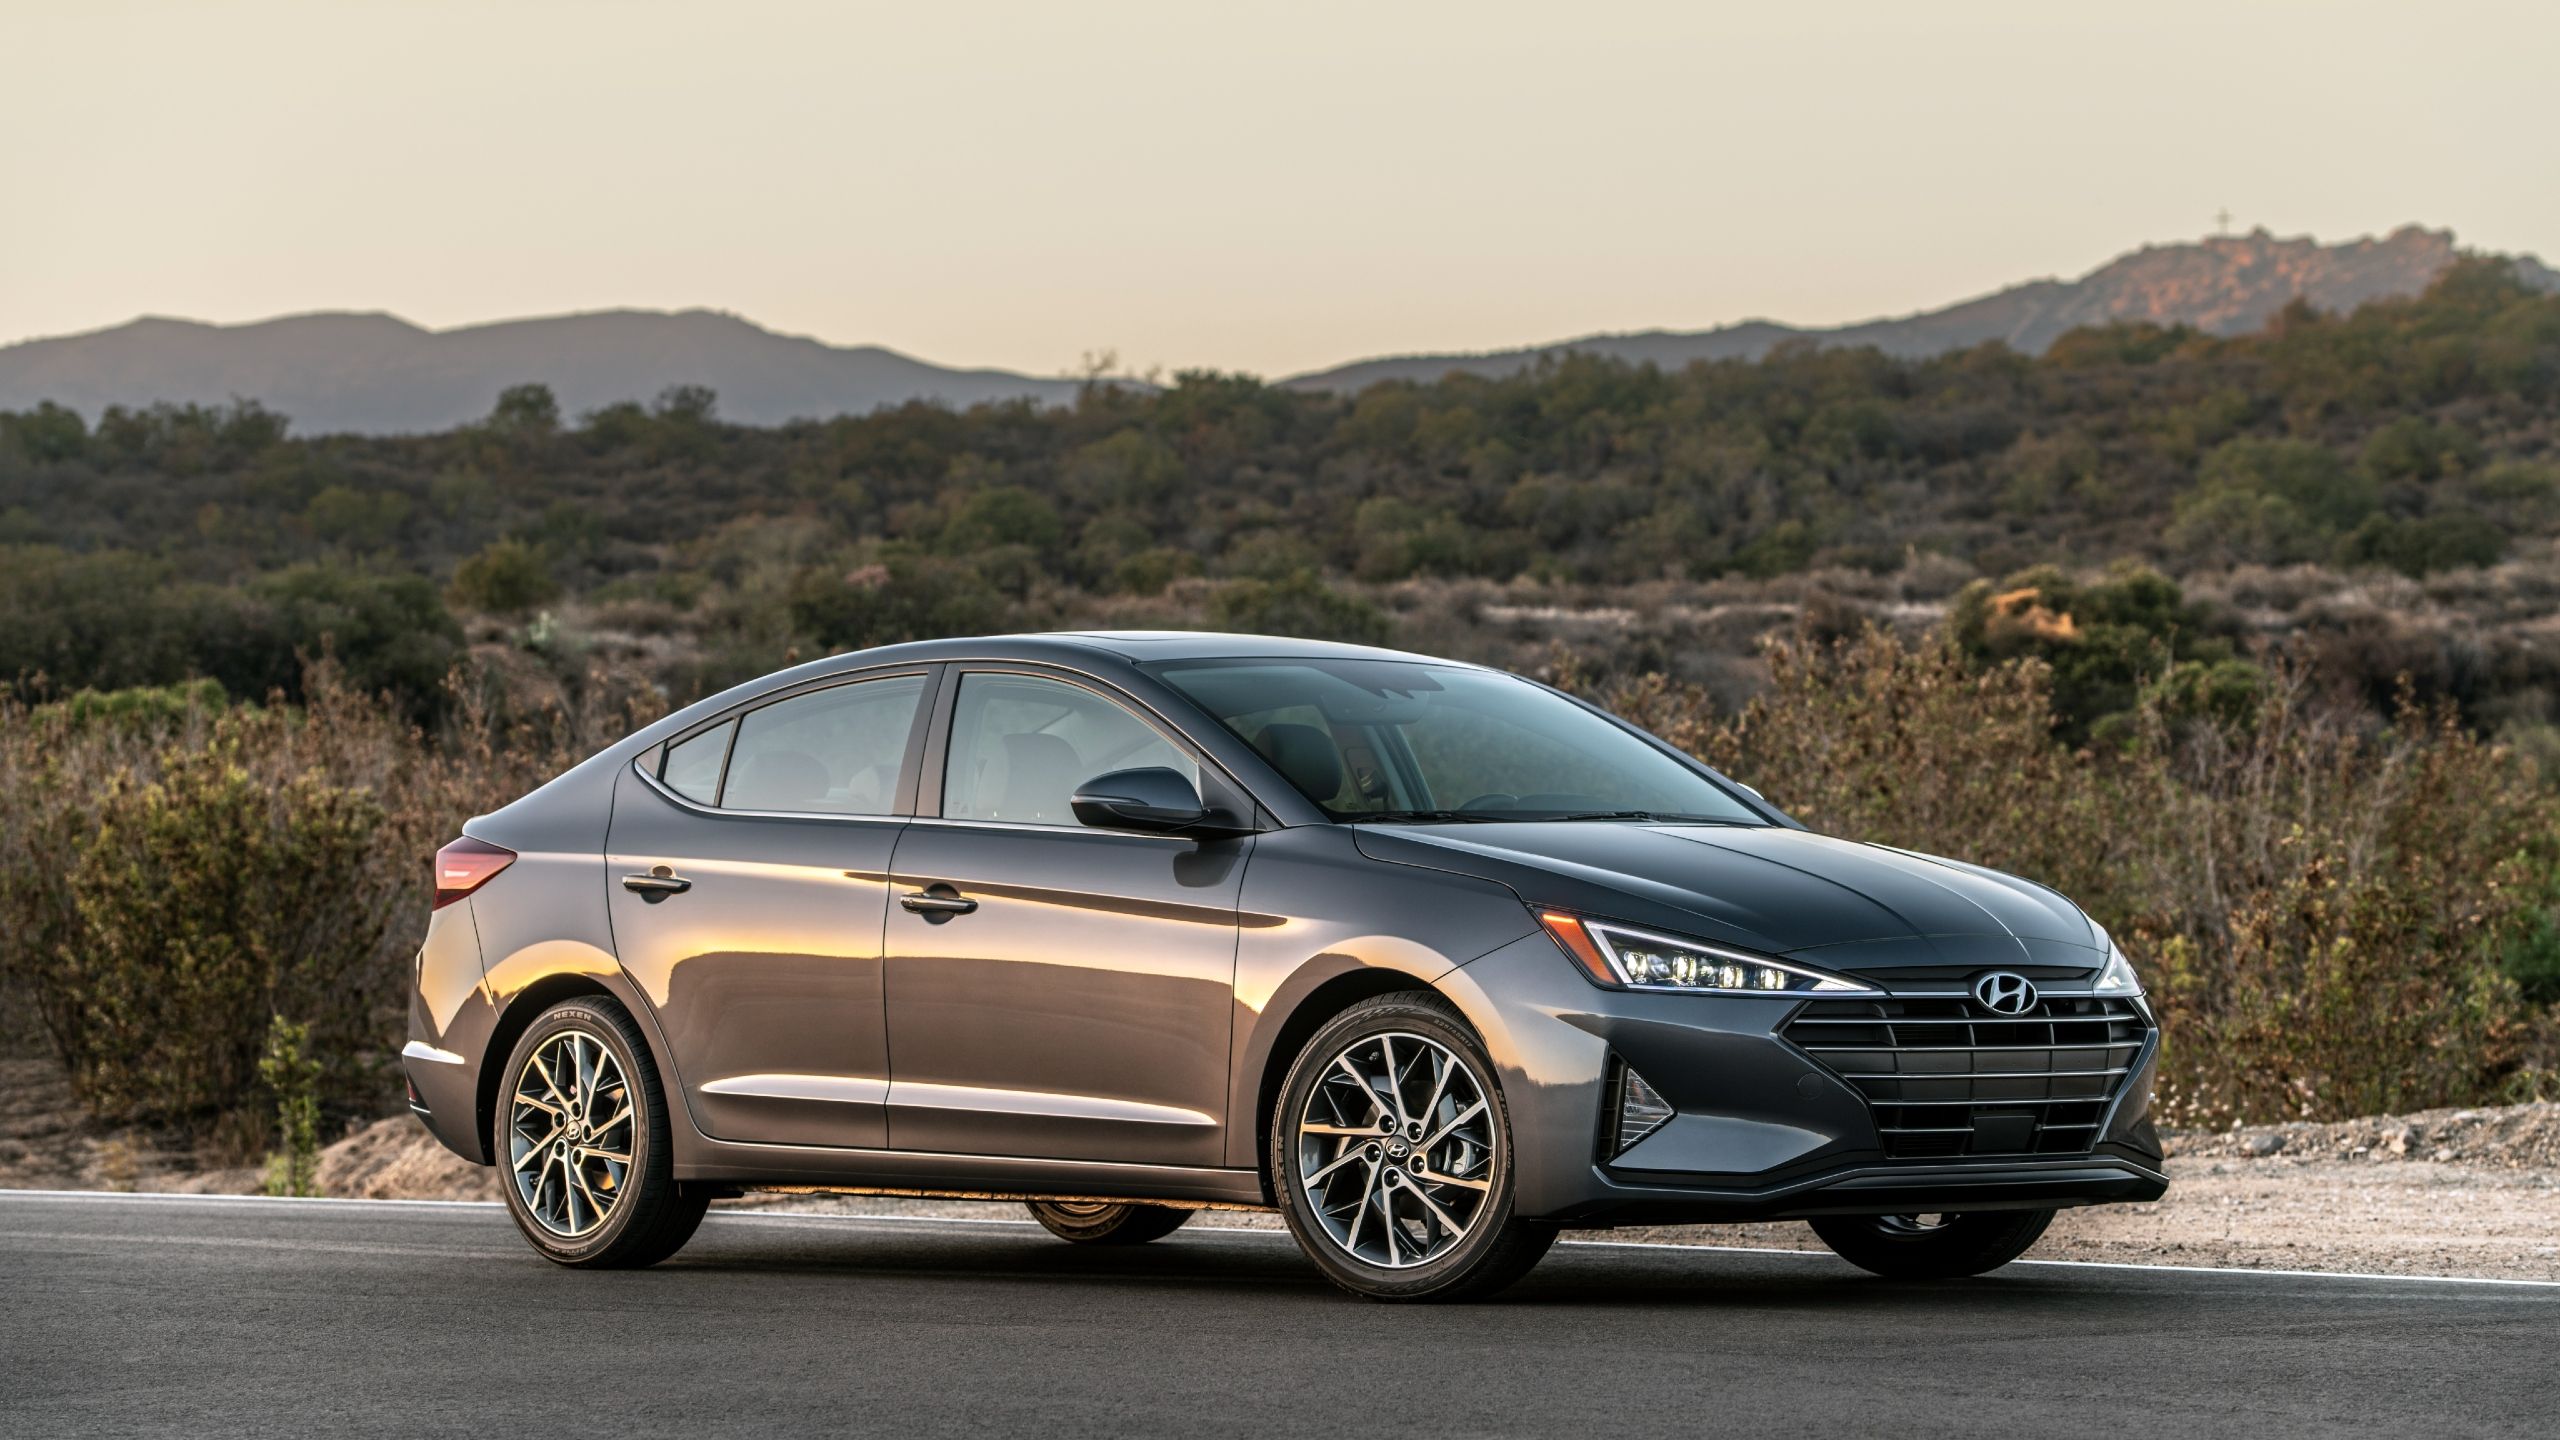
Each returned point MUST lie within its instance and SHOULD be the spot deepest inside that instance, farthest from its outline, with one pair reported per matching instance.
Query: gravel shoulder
(2448, 1192)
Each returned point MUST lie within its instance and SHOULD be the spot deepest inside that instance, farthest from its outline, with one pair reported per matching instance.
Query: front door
(1059, 991)
(750, 877)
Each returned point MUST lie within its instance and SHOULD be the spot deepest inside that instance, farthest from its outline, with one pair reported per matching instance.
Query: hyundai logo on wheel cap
(2004, 993)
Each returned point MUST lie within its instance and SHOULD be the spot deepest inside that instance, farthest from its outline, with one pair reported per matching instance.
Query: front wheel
(1932, 1247)
(1103, 1222)
(1391, 1157)
(584, 1146)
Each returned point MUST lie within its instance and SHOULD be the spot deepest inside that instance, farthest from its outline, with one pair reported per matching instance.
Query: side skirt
(813, 1169)
(1002, 1195)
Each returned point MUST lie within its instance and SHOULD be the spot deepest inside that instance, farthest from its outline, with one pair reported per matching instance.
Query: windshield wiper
(1656, 816)
(1423, 817)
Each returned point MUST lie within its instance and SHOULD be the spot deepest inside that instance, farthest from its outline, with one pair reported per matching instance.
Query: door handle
(937, 903)
(657, 885)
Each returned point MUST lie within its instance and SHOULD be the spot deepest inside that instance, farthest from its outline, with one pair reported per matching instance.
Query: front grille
(1947, 1077)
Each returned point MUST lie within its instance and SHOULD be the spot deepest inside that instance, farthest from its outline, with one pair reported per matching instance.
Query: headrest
(1305, 756)
(778, 780)
(1040, 776)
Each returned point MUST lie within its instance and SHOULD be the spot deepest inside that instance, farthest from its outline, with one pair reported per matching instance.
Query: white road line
(240, 1199)
(805, 1219)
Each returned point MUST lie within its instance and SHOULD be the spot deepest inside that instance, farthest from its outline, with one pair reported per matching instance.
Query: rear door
(749, 862)
(1060, 991)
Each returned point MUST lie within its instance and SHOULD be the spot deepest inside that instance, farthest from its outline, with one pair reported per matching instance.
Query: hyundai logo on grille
(2003, 993)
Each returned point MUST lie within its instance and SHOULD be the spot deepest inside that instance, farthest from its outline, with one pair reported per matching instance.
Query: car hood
(1771, 889)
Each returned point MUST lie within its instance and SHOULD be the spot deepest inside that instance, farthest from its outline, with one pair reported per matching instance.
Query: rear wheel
(1932, 1247)
(1391, 1157)
(583, 1144)
(1103, 1222)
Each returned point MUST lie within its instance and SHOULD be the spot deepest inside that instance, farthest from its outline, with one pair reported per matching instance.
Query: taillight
(465, 866)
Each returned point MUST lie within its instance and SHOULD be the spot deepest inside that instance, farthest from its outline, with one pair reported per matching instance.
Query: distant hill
(379, 374)
(2225, 285)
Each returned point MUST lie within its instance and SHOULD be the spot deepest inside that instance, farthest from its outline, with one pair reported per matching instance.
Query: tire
(577, 1204)
(1907, 1247)
(1099, 1222)
(1370, 1193)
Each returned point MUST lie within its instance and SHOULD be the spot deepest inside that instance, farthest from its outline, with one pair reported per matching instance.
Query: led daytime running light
(1618, 956)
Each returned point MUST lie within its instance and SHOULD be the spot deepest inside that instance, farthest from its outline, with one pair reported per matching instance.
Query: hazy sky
(1261, 187)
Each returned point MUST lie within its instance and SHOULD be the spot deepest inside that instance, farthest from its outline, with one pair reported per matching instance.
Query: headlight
(1641, 960)
(2118, 977)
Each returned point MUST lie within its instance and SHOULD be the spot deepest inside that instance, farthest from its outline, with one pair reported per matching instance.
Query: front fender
(1319, 920)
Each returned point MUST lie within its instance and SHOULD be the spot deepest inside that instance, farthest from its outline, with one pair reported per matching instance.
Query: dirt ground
(2447, 1192)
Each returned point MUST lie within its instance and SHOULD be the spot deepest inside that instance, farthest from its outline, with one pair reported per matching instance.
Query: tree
(507, 577)
(1301, 606)
(530, 411)
(692, 404)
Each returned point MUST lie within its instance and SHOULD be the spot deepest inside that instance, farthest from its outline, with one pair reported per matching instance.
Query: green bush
(507, 577)
(206, 903)
(1300, 605)
(2108, 644)
(907, 597)
(293, 1077)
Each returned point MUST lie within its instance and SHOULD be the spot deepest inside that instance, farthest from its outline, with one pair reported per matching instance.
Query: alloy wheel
(1396, 1150)
(570, 1133)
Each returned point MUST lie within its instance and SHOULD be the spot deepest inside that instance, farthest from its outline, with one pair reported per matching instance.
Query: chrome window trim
(1028, 828)
(649, 761)
(922, 669)
(714, 812)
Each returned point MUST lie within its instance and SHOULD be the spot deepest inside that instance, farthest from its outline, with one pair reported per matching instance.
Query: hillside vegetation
(2238, 640)
(2410, 438)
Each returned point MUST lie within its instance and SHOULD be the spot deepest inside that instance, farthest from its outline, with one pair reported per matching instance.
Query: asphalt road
(149, 1315)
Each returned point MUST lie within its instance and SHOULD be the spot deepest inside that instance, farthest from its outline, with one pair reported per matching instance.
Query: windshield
(1393, 739)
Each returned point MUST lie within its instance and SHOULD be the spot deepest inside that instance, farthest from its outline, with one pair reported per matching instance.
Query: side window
(693, 768)
(836, 751)
(1020, 747)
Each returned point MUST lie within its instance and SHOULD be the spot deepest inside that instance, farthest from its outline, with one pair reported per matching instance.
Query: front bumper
(1876, 1188)
(1762, 1130)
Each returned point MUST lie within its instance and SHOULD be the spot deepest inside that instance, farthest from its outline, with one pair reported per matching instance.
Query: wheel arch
(1319, 1004)
(517, 1016)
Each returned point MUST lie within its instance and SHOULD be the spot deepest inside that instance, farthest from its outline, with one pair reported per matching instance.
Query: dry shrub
(178, 872)
(2317, 905)
(207, 901)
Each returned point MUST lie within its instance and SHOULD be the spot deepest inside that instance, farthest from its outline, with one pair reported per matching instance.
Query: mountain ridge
(2224, 284)
(372, 372)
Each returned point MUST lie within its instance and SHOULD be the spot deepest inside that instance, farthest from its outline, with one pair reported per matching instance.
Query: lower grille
(1947, 1077)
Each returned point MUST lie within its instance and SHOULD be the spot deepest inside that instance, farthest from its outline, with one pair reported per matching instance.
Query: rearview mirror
(1149, 798)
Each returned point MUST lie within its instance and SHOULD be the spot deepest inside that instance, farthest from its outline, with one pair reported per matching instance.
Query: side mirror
(1150, 798)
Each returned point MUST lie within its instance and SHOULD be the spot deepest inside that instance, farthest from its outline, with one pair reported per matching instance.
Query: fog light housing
(1639, 1109)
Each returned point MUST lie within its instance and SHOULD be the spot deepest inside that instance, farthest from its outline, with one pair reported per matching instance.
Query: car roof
(1137, 647)
(1155, 645)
